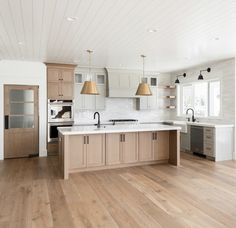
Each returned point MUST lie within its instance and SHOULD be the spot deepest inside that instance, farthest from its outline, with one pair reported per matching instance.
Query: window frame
(180, 99)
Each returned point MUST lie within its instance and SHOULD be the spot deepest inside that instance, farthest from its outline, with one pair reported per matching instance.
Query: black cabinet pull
(6, 122)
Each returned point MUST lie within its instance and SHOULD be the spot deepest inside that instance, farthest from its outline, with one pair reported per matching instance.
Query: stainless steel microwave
(60, 111)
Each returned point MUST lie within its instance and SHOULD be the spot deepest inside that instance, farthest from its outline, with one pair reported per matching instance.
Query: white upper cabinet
(149, 102)
(90, 102)
(123, 83)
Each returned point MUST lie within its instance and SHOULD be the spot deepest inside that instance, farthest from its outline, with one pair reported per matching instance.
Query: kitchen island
(87, 148)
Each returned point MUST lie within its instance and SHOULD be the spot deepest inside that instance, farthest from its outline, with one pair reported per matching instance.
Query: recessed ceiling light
(72, 19)
(20, 43)
(152, 30)
(216, 38)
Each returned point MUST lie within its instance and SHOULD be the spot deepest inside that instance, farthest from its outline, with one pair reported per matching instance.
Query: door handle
(6, 122)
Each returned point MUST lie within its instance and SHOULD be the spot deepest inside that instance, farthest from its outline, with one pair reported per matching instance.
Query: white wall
(25, 73)
(121, 108)
(223, 70)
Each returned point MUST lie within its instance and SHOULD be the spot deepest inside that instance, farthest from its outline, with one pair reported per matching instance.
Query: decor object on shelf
(89, 86)
(177, 77)
(200, 77)
(143, 87)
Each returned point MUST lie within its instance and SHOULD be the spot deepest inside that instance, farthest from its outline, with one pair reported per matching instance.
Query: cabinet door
(77, 148)
(113, 149)
(67, 91)
(95, 150)
(145, 151)
(100, 99)
(53, 74)
(129, 148)
(161, 145)
(53, 90)
(67, 75)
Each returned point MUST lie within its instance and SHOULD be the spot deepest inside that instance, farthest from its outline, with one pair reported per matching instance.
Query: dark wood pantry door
(21, 121)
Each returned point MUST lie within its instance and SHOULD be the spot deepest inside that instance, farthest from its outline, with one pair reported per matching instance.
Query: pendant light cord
(143, 56)
(90, 52)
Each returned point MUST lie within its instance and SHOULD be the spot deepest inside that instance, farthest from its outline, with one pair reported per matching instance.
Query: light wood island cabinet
(121, 148)
(161, 145)
(115, 150)
(145, 146)
(85, 150)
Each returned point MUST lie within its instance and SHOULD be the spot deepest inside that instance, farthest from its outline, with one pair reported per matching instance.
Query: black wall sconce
(200, 77)
(177, 77)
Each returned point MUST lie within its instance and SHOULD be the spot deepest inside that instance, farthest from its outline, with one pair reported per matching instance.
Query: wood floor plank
(117, 210)
(199, 193)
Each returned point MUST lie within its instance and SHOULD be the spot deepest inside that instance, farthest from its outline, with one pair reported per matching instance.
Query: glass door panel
(21, 95)
(22, 109)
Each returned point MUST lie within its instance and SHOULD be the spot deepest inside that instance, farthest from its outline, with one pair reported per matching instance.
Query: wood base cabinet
(161, 145)
(121, 148)
(145, 146)
(84, 150)
(153, 146)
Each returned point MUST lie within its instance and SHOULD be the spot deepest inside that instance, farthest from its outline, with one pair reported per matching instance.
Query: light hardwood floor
(200, 194)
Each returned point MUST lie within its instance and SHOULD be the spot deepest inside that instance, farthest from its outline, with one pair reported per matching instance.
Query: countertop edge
(116, 131)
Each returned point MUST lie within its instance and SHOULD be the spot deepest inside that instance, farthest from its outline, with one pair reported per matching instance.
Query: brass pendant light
(89, 86)
(143, 87)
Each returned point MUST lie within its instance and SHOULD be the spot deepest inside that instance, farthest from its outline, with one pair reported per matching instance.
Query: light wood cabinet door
(145, 142)
(67, 91)
(53, 74)
(95, 150)
(113, 149)
(53, 90)
(129, 148)
(67, 75)
(161, 145)
(77, 148)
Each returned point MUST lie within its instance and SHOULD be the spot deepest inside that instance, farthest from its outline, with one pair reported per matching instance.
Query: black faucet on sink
(193, 119)
(94, 117)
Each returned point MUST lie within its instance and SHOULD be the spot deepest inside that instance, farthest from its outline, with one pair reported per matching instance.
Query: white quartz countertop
(82, 130)
(203, 124)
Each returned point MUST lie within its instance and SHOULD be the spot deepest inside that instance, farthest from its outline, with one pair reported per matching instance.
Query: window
(203, 97)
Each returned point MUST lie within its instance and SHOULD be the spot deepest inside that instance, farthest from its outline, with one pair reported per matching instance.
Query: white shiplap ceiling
(189, 32)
